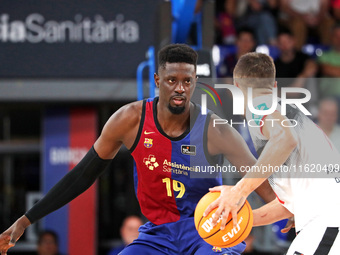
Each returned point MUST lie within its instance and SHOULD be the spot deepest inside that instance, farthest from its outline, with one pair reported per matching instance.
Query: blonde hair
(255, 70)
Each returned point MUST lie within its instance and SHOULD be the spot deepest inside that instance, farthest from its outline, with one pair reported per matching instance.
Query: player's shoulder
(217, 125)
(127, 115)
(133, 108)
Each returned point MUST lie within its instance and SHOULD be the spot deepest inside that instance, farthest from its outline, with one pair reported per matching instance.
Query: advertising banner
(68, 135)
(75, 39)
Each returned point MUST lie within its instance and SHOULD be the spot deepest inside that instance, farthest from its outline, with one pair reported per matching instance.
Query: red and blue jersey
(162, 165)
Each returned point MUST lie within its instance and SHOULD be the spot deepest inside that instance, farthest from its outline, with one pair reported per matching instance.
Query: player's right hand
(9, 237)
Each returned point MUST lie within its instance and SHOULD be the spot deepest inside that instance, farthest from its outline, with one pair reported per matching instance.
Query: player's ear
(275, 84)
(236, 84)
(156, 78)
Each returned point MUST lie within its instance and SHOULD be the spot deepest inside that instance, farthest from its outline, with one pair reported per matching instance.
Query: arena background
(65, 67)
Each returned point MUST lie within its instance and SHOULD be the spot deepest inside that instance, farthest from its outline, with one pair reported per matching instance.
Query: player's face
(285, 43)
(176, 83)
(48, 245)
(129, 230)
(245, 43)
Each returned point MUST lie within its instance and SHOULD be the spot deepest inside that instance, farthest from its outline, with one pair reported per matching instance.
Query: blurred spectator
(249, 241)
(260, 19)
(258, 15)
(48, 243)
(292, 64)
(335, 9)
(330, 67)
(327, 120)
(224, 22)
(303, 15)
(128, 233)
(245, 42)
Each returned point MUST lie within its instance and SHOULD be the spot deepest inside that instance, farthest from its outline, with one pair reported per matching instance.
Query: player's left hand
(9, 237)
(290, 224)
(230, 201)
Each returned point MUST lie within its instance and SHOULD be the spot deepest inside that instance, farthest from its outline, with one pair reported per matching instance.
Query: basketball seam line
(244, 228)
(226, 223)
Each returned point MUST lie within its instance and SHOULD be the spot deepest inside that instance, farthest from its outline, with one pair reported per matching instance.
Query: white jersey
(300, 189)
(306, 6)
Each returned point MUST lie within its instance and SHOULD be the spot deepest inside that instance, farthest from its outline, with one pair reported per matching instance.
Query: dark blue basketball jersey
(163, 185)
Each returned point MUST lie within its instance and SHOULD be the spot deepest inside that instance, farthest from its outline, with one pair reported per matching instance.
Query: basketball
(231, 235)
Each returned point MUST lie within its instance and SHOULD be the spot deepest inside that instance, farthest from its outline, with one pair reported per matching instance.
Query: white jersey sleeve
(300, 189)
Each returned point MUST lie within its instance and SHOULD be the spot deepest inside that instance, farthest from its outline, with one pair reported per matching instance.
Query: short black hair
(285, 31)
(247, 30)
(48, 232)
(177, 53)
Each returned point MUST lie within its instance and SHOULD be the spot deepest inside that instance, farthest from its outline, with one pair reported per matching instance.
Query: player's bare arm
(281, 143)
(223, 139)
(120, 129)
(270, 213)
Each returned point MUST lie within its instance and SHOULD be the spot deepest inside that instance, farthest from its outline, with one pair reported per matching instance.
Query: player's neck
(257, 92)
(262, 92)
(173, 124)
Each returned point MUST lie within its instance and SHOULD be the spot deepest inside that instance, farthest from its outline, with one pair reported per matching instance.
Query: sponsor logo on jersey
(188, 150)
(148, 133)
(177, 168)
(297, 253)
(148, 143)
(151, 162)
(217, 249)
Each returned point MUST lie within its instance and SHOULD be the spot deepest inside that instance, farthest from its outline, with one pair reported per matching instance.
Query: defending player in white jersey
(298, 159)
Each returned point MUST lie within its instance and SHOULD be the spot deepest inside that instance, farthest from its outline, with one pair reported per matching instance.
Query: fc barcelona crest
(148, 142)
(217, 249)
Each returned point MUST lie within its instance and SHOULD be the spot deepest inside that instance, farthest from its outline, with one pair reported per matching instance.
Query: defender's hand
(230, 201)
(290, 224)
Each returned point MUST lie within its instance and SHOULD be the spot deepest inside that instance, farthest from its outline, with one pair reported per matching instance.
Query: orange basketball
(228, 237)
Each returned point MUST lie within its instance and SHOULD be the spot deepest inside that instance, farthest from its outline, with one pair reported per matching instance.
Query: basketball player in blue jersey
(158, 133)
(305, 186)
